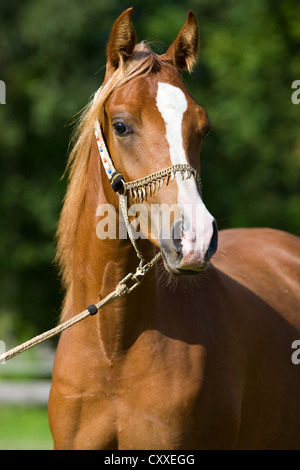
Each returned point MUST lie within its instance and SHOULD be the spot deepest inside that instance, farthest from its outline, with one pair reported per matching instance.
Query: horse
(198, 356)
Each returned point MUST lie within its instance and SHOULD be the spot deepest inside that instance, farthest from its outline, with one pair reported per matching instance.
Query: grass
(24, 428)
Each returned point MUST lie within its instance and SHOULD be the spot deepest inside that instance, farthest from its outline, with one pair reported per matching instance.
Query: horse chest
(162, 399)
(155, 409)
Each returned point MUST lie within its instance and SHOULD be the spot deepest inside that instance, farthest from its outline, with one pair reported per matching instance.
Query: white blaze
(172, 104)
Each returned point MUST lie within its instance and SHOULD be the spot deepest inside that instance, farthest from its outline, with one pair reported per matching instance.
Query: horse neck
(99, 264)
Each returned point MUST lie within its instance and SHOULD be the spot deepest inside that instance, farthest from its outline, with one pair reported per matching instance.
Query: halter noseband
(140, 188)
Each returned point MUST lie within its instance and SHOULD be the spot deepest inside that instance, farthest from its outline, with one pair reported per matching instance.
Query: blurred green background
(52, 58)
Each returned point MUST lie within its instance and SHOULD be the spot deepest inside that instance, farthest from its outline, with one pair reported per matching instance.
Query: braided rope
(120, 291)
(123, 204)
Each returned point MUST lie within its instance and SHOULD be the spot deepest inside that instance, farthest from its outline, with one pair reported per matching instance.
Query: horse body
(214, 374)
(175, 365)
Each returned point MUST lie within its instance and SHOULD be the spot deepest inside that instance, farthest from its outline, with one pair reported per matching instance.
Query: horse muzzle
(188, 252)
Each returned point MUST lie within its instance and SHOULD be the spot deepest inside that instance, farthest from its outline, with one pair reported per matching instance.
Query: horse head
(154, 129)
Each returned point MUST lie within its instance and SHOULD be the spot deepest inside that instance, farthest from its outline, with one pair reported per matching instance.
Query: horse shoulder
(267, 262)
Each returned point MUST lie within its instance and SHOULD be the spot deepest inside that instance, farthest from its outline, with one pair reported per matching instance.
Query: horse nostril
(176, 235)
(213, 242)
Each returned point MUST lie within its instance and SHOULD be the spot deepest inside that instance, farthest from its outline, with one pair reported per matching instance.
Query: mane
(142, 63)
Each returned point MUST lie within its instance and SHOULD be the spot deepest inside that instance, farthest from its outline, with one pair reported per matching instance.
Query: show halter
(138, 190)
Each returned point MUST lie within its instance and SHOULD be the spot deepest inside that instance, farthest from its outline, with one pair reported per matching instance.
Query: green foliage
(52, 58)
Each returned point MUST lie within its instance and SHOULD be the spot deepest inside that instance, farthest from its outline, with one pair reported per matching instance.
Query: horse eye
(120, 128)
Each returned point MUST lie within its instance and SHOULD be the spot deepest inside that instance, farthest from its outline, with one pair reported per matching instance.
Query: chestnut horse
(199, 355)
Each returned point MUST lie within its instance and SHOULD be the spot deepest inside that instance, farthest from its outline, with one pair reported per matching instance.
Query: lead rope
(121, 290)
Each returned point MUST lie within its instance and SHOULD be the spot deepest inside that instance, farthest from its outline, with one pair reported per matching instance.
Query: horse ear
(183, 52)
(121, 40)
